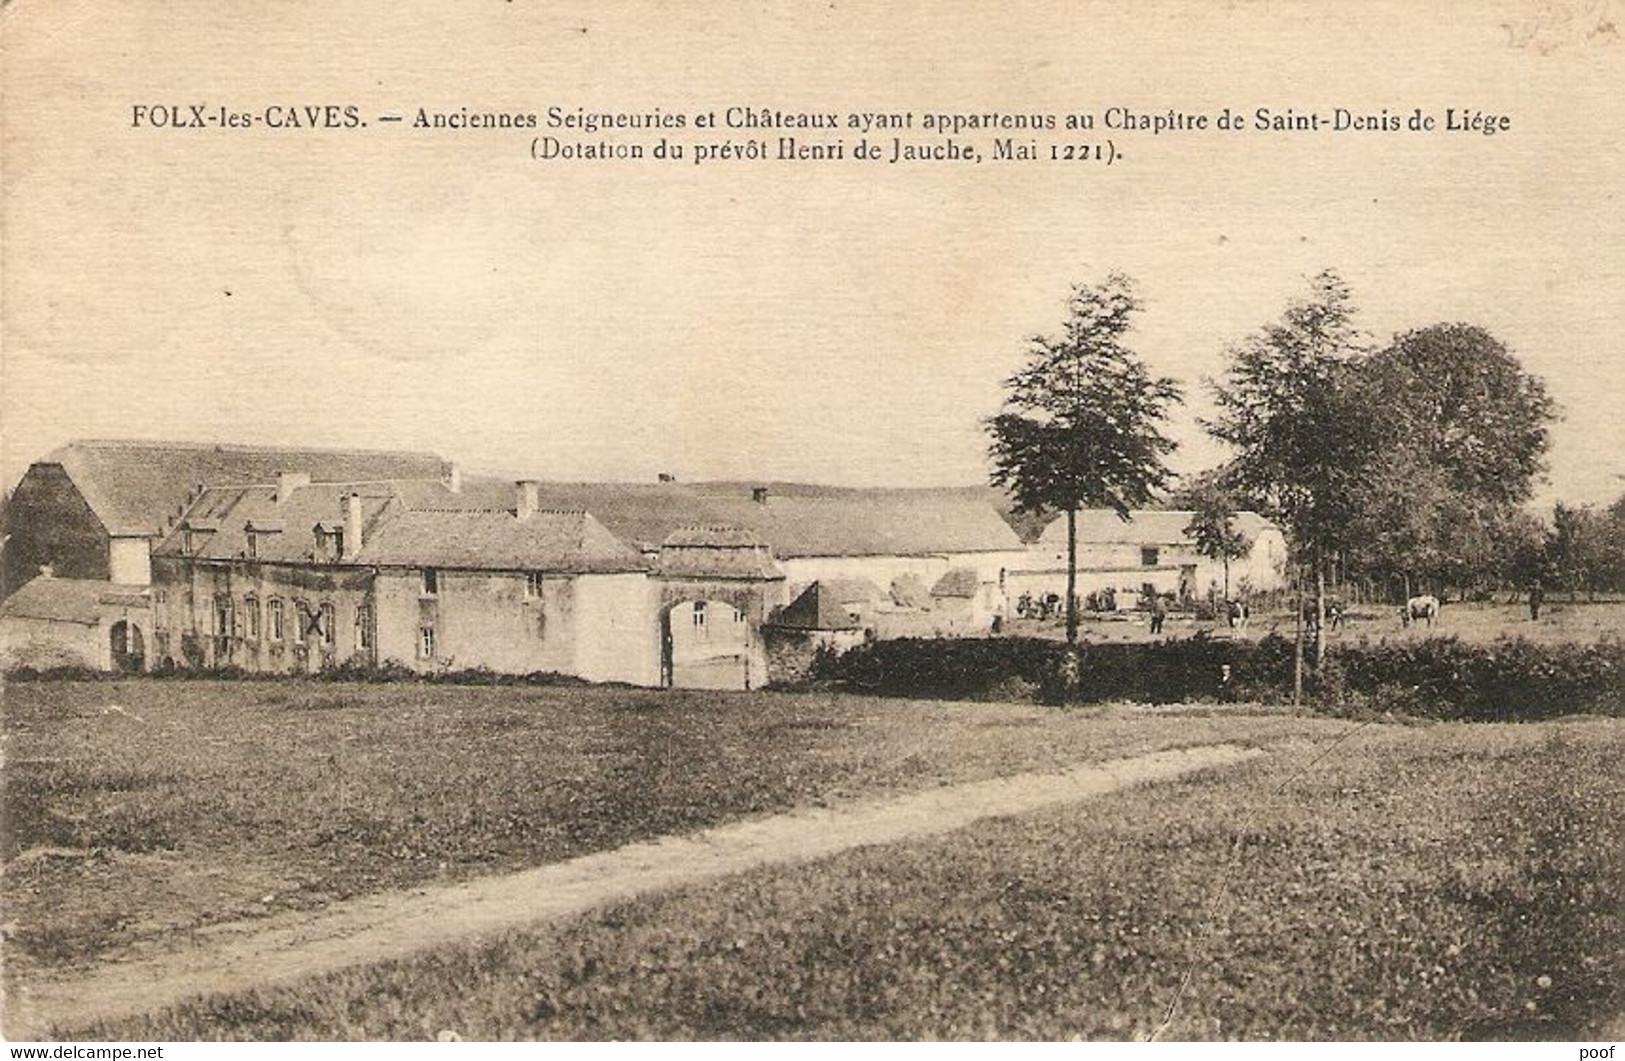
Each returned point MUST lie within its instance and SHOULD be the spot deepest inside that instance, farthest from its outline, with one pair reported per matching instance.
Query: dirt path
(277, 950)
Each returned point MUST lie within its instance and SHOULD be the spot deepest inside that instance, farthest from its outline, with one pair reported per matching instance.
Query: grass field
(1560, 621)
(136, 812)
(1446, 881)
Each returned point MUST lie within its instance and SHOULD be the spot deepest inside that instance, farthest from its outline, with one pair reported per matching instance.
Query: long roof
(404, 524)
(285, 530)
(1102, 526)
(133, 486)
(140, 487)
(900, 522)
(568, 542)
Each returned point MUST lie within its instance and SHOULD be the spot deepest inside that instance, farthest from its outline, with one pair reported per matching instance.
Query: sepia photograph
(812, 522)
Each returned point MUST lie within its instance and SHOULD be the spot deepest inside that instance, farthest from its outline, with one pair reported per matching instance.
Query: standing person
(1159, 612)
(1536, 594)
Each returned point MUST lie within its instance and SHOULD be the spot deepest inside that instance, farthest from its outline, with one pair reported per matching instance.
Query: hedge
(1439, 677)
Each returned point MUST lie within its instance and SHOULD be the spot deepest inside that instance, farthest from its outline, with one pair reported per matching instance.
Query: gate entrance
(705, 645)
(129, 648)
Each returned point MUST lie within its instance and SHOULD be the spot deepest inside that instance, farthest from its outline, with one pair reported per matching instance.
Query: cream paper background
(851, 323)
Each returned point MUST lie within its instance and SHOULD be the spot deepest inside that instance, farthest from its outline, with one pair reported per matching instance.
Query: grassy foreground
(1448, 881)
(136, 812)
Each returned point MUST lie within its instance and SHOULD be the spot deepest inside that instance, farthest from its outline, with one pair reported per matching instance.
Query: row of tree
(1406, 466)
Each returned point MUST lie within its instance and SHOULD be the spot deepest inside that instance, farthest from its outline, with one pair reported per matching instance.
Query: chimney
(454, 479)
(352, 526)
(528, 498)
(758, 494)
(667, 477)
(288, 482)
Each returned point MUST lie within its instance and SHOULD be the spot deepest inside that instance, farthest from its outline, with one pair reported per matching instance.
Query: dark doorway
(129, 648)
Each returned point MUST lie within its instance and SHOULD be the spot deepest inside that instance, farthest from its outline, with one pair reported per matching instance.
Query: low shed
(71, 622)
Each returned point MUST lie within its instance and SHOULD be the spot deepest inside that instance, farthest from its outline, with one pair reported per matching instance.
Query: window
(251, 618)
(533, 585)
(275, 620)
(253, 546)
(699, 614)
(328, 618)
(363, 628)
(301, 616)
(338, 543)
(426, 642)
(160, 609)
(1148, 556)
(431, 582)
(222, 616)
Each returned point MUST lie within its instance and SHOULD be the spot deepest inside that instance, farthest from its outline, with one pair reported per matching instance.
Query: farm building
(1150, 552)
(290, 560)
(93, 509)
(301, 576)
(74, 622)
(880, 535)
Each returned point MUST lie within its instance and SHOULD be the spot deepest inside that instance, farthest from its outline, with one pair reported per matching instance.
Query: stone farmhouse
(1149, 553)
(135, 555)
(94, 508)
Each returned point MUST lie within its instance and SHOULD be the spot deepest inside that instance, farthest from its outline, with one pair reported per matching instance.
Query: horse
(1419, 608)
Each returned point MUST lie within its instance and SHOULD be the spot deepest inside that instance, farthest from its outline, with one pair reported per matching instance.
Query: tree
(1522, 559)
(1456, 398)
(1463, 441)
(1613, 530)
(1213, 529)
(1290, 410)
(1578, 547)
(1082, 421)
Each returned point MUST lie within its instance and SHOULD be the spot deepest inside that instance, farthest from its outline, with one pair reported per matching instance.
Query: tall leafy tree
(1213, 527)
(1290, 408)
(1465, 434)
(1082, 420)
(1578, 546)
(1456, 398)
(1521, 558)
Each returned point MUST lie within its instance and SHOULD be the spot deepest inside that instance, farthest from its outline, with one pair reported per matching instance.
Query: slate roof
(837, 523)
(958, 582)
(566, 542)
(132, 486)
(1101, 526)
(70, 600)
(825, 605)
(452, 530)
(910, 591)
(717, 552)
(225, 512)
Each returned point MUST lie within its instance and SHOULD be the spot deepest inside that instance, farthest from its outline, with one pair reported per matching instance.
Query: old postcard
(930, 521)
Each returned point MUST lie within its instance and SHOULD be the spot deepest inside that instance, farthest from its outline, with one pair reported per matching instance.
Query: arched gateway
(718, 585)
(129, 647)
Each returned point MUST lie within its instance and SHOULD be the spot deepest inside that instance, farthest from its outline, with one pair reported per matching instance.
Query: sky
(843, 323)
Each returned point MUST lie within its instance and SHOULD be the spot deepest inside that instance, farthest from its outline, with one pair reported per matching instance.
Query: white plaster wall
(42, 643)
(617, 625)
(129, 561)
(1265, 566)
(480, 619)
(882, 570)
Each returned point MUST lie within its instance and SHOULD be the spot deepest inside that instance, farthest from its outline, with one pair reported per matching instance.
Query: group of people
(1234, 613)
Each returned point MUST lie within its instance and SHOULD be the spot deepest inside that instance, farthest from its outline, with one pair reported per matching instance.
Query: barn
(1123, 560)
(94, 508)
